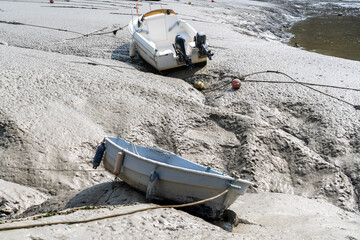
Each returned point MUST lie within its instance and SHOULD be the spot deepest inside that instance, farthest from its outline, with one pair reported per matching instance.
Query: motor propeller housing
(200, 43)
(181, 52)
(200, 39)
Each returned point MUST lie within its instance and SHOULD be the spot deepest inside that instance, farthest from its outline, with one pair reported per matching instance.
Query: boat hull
(166, 62)
(174, 183)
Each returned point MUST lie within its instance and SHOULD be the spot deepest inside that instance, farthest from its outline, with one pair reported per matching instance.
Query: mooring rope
(304, 84)
(39, 26)
(310, 84)
(111, 215)
(51, 169)
(357, 107)
(114, 31)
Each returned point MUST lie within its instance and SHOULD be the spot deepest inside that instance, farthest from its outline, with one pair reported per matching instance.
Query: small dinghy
(165, 41)
(163, 175)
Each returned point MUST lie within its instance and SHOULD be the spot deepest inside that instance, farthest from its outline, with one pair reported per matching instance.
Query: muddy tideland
(66, 82)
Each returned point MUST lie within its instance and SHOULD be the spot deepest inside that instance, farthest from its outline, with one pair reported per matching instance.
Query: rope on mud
(111, 215)
(105, 65)
(52, 169)
(114, 31)
(357, 107)
(308, 85)
(83, 7)
(39, 26)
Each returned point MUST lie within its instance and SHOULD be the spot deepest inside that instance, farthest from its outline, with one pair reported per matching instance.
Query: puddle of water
(330, 35)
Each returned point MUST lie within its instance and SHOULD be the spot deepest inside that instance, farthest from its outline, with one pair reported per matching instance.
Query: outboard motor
(181, 52)
(200, 41)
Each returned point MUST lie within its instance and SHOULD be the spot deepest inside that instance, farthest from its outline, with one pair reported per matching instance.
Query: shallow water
(329, 35)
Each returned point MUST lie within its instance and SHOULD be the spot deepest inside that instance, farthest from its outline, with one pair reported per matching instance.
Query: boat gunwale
(158, 12)
(218, 175)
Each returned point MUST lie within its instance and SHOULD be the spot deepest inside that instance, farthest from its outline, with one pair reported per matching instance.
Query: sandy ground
(61, 93)
(269, 216)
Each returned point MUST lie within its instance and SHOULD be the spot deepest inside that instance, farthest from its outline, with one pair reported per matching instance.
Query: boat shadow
(184, 72)
(111, 194)
(121, 53)
(120, 193)
(103, 194)
(106, 194)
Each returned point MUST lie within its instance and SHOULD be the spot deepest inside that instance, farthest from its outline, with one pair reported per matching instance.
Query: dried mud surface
(62, 92)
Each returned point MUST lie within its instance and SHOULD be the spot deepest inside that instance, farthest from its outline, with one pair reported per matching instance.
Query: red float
(236, 83)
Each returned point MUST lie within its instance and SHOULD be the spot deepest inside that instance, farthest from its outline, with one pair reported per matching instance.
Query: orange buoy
(52, 1)
(236, 83)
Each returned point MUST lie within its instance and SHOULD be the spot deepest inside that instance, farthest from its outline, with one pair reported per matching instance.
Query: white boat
(164, 175)
(165, 41)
